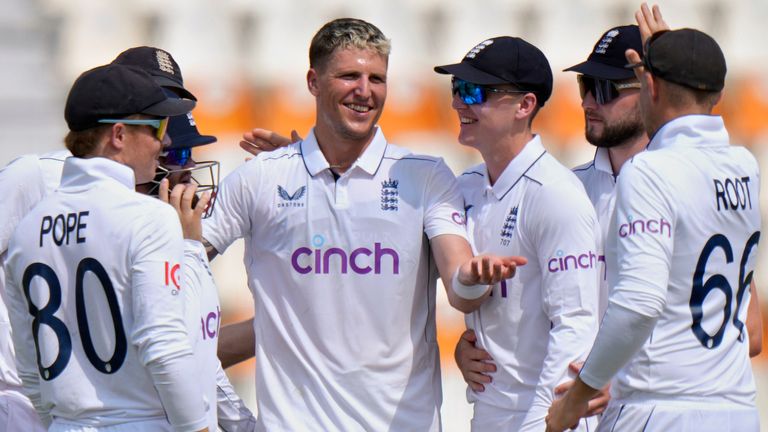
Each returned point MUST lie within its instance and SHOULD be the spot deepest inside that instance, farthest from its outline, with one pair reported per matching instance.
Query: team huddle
(617, 296)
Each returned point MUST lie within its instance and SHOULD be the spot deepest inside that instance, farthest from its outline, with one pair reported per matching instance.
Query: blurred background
(246, 62)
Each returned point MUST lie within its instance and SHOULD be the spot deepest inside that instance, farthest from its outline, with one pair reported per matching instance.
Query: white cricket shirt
(203, 324)
(600, 185)
(23, 182)
(343, 282)
(93, 286)
(536, 323)
(685, 234)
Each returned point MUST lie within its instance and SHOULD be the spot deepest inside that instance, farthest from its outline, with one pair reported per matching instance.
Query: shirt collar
(369, 161)
(691, 130)
(603, 160)
(531, 153)
(81, 172)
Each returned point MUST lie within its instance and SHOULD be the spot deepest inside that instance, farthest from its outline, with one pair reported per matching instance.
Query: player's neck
(341, 152)
(623, 152)
(498, 156)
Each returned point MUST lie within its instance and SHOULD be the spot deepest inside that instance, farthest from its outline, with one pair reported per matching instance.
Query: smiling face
(350, 89)
(488, 123)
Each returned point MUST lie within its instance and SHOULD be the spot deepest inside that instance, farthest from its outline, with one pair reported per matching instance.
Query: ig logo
(172, 277)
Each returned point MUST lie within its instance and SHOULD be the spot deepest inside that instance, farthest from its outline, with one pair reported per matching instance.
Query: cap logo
(606, 41)
(164, 61)
(479, 47)
(191, 119)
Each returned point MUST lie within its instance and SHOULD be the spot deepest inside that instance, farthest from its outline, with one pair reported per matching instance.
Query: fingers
(469, 336)
(598, 403)
(634, 58)
(250, 147)
(175, 197)
(562, 388)
(650, 21)
(162, 192)
(575, 367)
(201, 205)
(295, 137)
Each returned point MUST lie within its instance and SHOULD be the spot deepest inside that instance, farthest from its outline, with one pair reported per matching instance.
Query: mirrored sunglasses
(177, 157)
(473, 94)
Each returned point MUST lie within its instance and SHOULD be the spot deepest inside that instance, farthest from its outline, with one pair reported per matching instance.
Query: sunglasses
(160, 125)
(473, 94)
(177, 157)
(604, 91)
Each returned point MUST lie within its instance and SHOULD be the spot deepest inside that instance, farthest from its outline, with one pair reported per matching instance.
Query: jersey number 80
(45, 316)
(702, 288)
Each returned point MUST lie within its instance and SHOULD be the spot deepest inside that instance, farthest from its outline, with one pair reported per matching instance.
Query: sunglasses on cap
(177, 157)
(604, 91)
(473, 94)
(160, 125)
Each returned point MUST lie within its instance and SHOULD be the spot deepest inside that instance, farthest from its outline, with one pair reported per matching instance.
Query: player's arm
(236, 204)
(237, 343)
(232, 414)
(159, 332)
(754, 322)
(474, 363)
(262, 140)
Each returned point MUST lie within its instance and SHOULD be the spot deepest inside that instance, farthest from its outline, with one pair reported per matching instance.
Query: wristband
(467, 292)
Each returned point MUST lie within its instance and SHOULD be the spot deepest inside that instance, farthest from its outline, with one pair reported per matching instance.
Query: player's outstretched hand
(187, 205)
(650, 21)
(474, 363)
(263, 140)
(489, 269)
(598, 403)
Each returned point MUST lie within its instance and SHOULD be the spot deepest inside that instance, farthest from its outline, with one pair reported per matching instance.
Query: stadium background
(246, 61)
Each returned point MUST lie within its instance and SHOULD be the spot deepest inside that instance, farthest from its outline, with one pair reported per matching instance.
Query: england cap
(505, 60)
(118, 91)
(607, 59)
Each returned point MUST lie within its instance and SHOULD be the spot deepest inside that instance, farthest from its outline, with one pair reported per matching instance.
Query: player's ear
(118, 136)
(312, 81)
(527, 106)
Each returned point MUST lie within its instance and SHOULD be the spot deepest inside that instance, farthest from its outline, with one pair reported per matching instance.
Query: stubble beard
(619, 132)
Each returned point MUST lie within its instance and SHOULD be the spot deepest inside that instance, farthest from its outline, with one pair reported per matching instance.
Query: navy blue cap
(505, 60)
(118, 91)
(183, 132)
(158, 63)
(687, 57)
(607, 60)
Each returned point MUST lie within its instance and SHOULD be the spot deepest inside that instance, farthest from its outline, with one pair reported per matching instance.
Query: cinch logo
(640, 226)
(321, 261)
(563, 262)
(291, 200)
(459, 218)
(210, 324)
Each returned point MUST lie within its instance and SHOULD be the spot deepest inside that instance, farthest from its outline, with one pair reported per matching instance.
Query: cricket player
(681, 254)
(99, 331)
(521, 201)
(345, 235)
